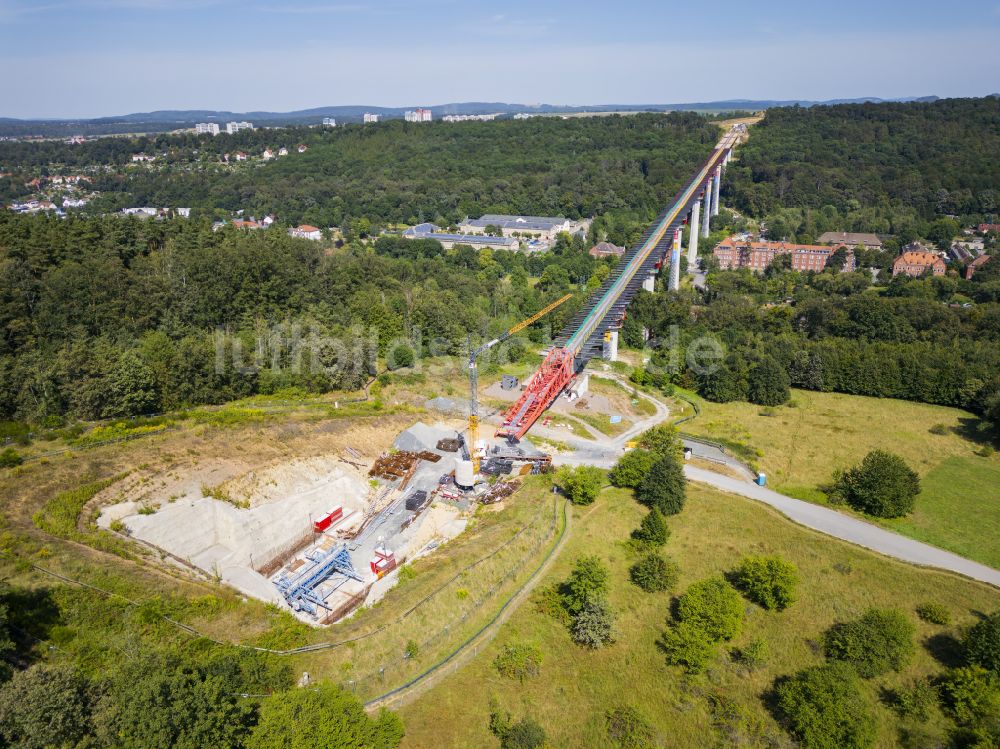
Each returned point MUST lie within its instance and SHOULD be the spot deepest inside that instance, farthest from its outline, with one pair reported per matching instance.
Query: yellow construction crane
(473, 434)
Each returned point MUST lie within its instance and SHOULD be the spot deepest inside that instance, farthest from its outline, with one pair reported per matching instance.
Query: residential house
(302, 148)
(305, 231)
(282, 151)
(268, 154)
(250, 224)
(139, 157)
(240, 156)
(606, 249)
(743, 252)
(971, 268)
(986, 228)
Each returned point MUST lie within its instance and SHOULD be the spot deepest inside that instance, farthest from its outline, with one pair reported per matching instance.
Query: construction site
(321, 536)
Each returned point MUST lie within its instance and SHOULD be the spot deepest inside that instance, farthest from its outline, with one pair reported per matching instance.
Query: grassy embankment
(48, 522)
(801, 447)
(577, 686)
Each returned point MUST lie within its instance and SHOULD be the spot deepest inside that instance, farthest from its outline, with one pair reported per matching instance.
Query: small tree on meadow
(769, 383)
(594, 625)
(653, 529)
(588, 579)
(654, 574)
(881, 485)
(664, 486)
(582, 484)
(879, 642)
(767, 581)
(631, 468)
(824, 707)
(714, 606)
(688, 645)
(982, 644)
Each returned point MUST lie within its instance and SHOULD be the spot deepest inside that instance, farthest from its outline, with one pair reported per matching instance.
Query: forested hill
(934, 158)
(402, 172)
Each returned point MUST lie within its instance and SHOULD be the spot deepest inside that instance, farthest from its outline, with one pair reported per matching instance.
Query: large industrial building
(544, 227)
(447, 240)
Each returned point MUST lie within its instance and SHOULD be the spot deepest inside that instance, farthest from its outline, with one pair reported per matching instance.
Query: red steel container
(325, 521)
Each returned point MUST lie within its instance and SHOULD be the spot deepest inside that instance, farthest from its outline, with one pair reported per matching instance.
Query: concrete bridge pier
(715, 191)
(705, 227)
(693, 238)
(675, 262)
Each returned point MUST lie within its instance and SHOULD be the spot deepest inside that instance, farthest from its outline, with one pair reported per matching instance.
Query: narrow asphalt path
(605, 453)
(848, 528)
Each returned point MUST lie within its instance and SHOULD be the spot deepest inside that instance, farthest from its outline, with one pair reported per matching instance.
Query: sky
(92, 58)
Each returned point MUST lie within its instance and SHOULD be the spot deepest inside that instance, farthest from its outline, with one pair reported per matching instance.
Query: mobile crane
(474, 376)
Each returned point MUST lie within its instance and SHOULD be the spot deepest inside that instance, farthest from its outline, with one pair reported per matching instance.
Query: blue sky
(103, 57)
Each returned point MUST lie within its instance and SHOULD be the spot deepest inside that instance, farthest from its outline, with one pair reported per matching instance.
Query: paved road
(849, 528)
(605, 454)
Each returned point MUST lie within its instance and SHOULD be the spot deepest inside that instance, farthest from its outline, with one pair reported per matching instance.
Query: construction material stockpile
(391, 466)
(500, 490)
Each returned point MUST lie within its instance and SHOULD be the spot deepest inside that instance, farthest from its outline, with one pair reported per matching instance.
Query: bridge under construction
(584, 335)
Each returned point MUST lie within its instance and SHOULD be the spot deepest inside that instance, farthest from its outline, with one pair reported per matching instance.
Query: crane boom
(474, 375)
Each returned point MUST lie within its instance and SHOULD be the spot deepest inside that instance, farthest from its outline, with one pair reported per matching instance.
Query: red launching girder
(543, 388)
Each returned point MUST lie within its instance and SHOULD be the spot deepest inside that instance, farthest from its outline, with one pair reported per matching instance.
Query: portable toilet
(761, 478)
(688, 452)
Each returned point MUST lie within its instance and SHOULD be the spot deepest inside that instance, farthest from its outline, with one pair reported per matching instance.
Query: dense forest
(887, 164)
(920, 339)
(117, 316)
(398, 172)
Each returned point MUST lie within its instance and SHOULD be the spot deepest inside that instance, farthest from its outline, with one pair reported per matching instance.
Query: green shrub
(9, 458)
(525, 734)
(881, 485)
(768, 581)
(753, 655)
(412, 649)
(631, 468)
(879, 642)
(654, 574)
(59, 515)
(662, 440)
(518, 660)
(582, 484)
(916, 700)
(939, 429)
(628, 729)
(653, 529)
(664, 486)
(934, 613)
(982, 644)
(970, 694)
(687, 644)
(713, 606)
(594, 624)
(823, 707)
(588, 579)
